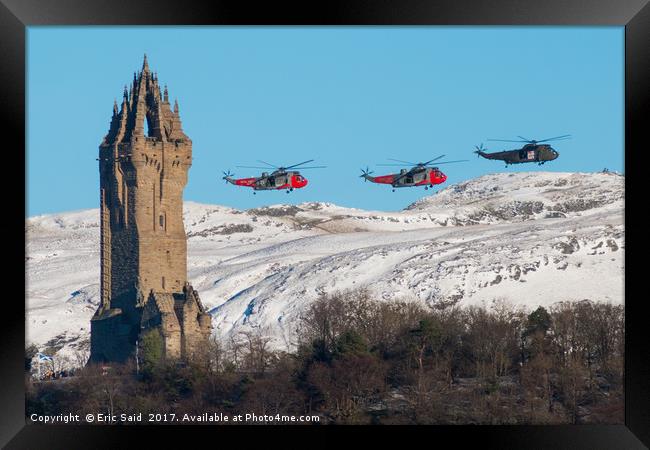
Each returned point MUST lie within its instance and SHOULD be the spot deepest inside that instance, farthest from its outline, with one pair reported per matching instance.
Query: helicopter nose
(555, 154)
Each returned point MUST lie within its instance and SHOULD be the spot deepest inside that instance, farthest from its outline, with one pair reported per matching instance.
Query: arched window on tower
(118, 218)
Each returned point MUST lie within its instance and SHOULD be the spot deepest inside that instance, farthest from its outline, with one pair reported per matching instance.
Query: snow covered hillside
(530, 238)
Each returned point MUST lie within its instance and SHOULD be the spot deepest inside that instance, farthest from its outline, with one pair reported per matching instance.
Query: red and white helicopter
(421, 174)
(280, 179)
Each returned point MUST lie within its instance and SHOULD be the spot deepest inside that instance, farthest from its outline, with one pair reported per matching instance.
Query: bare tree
(257, 357)
(81, 356)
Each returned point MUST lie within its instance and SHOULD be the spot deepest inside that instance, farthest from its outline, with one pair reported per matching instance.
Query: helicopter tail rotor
(365, 173)
(227, 175)
(479, 149)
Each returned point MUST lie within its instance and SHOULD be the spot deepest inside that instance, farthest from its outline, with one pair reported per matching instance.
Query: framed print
(317, 219)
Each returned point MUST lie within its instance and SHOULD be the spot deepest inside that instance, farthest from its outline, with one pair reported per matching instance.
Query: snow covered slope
(530, 238)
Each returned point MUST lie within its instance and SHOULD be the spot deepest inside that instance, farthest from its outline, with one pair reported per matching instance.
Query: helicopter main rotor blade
(299, 164)
(253, 167)
(449, 162)
(504, 140)
(264, 162)
(312, 167)
(400, 161)
(428, 164)
(434, 159)
(565, 136)
(525, 139)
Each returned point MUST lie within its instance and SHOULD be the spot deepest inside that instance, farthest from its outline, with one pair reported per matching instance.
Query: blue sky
(345, 96)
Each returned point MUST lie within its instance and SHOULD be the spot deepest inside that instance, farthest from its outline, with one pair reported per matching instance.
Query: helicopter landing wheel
(291, 189)
(254, 193)
(426, 188)
(393, 190)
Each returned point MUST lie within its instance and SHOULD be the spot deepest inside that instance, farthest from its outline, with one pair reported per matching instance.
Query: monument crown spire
(144, 101)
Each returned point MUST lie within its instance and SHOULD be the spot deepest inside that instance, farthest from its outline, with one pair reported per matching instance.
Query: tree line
(362, 361)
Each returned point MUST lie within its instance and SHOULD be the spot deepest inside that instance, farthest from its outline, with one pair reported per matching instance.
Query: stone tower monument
(143, 243)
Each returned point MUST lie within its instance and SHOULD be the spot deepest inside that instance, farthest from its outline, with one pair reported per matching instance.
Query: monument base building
(180, 318)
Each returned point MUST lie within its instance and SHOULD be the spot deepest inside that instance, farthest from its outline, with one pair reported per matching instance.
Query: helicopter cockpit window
(522, 154)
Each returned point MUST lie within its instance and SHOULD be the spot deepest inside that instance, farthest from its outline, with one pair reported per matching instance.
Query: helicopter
(532, 151)
(281, 177)
(420, 174)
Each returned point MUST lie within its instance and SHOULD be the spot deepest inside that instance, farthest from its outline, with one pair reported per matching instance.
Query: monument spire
(143, 243)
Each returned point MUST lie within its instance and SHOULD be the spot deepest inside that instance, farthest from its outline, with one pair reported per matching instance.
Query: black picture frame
(16, 15)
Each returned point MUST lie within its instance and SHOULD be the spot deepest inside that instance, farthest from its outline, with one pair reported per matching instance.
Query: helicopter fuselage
(538, 153)
(278, 180)
(408, 178)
